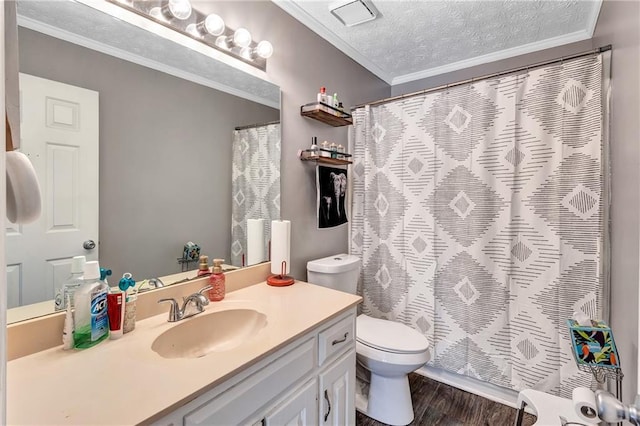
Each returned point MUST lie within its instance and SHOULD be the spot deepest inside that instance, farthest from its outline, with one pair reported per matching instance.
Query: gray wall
(301, 63)
(165, 155)
(618, 25)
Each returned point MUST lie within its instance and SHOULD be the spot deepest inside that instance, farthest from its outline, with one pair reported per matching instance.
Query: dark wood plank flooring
(437, 404)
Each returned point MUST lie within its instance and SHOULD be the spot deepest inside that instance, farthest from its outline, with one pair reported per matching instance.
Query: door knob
(89, 245)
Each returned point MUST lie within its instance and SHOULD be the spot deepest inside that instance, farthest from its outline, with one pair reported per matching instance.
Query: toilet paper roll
(255, 241)
(584, 404)
(280, 246)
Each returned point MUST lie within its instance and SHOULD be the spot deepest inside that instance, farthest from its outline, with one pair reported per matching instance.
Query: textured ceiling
(92, 28)
(417, 39)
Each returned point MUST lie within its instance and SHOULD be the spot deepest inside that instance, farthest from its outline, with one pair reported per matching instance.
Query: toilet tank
(339, 272)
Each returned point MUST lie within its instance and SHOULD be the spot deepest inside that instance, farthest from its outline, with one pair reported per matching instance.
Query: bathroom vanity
(298, 366)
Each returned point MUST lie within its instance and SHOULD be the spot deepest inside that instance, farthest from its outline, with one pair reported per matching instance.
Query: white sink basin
(209, 332)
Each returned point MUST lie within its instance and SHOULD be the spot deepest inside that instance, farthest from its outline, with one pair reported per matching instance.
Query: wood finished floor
(437, 404)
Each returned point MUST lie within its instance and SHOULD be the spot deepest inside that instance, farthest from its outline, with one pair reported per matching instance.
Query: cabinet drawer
(239, 402)
(336, 338)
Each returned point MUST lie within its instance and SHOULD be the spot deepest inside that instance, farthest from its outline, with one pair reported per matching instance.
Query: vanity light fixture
(211, 30)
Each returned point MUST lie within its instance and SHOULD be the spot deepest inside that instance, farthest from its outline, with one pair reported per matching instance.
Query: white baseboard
(486, 390)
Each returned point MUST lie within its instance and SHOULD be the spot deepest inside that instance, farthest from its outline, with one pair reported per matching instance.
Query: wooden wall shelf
(326, 114)
(304, 155)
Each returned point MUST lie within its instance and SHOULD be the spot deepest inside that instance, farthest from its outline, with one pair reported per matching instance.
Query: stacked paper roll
(584, 404)
(280, 246)
(255, 241)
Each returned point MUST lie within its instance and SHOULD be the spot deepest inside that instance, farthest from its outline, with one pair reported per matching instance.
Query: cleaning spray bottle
(91, 323)
(217, 281)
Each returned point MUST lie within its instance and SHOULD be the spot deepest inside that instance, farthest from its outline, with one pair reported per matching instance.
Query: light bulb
(242, 37)
(214, 25)
(264, 49)
(246, 53)
(221, 42)
(180, 9)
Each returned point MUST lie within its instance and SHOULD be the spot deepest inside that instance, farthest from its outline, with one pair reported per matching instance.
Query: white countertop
(125, 382)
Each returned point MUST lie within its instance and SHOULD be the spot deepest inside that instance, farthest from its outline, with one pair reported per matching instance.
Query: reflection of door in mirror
(255, 189)
(166, 124)
(59, 128)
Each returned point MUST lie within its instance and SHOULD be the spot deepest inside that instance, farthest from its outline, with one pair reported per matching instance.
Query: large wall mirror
(186, 150)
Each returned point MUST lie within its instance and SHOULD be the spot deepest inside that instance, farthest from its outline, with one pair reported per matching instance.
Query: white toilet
(388, 349)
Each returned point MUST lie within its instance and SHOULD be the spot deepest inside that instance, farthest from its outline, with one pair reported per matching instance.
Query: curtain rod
(485, 77)
(251, 126)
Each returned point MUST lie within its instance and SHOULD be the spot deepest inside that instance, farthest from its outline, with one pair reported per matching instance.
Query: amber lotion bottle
(216, 279)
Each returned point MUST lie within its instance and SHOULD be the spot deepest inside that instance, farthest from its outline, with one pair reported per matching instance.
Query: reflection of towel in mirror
(23, 190)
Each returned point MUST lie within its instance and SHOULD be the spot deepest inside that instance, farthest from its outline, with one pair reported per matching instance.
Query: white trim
(486, 390)
(495, 56)
(310, 22)
(3, 266)
(70, 37)
(593, 19)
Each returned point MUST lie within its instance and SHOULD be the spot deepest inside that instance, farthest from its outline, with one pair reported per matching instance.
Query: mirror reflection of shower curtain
(255, 187)
(479, 213)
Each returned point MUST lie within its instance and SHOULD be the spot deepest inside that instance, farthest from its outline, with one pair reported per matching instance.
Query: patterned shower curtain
(479, 216)
(255, 186)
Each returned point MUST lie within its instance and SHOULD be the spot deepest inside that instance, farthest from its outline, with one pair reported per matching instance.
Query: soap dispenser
(217, 281)
(203, 267)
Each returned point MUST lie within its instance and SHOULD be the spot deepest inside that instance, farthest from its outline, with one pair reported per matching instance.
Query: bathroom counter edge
(126, 363)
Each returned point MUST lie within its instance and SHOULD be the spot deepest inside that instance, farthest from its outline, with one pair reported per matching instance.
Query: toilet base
(390, 400)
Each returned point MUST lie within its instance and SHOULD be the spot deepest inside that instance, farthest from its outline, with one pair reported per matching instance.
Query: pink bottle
(217, 281)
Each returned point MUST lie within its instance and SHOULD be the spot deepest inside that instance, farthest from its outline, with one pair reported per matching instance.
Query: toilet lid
(389, 336)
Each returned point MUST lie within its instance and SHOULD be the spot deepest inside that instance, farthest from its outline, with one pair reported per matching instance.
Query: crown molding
(593, 18)
(495, 56)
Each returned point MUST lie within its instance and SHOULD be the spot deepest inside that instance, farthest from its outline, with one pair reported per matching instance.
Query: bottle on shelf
(313, 151)
(335, 102)
(334, 150)
(325, 149)
(217, 281)
(322, 95)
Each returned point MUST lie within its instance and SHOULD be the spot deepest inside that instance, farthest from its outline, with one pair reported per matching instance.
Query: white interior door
(59, 134)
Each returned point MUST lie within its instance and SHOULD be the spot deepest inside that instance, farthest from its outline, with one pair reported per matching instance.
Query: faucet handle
(204, 296)
(174, 311)
(204, 289)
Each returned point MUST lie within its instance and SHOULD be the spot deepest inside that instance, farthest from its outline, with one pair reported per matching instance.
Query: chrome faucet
(191, 305)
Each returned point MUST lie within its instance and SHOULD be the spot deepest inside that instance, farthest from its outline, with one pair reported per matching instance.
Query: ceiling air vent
(353, 12)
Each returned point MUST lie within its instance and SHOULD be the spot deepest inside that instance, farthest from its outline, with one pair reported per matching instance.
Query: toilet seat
(389, 336)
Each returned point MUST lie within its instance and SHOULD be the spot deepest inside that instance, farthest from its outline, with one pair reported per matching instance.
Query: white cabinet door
(337, 392)
(299, 409)
(237, 404)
